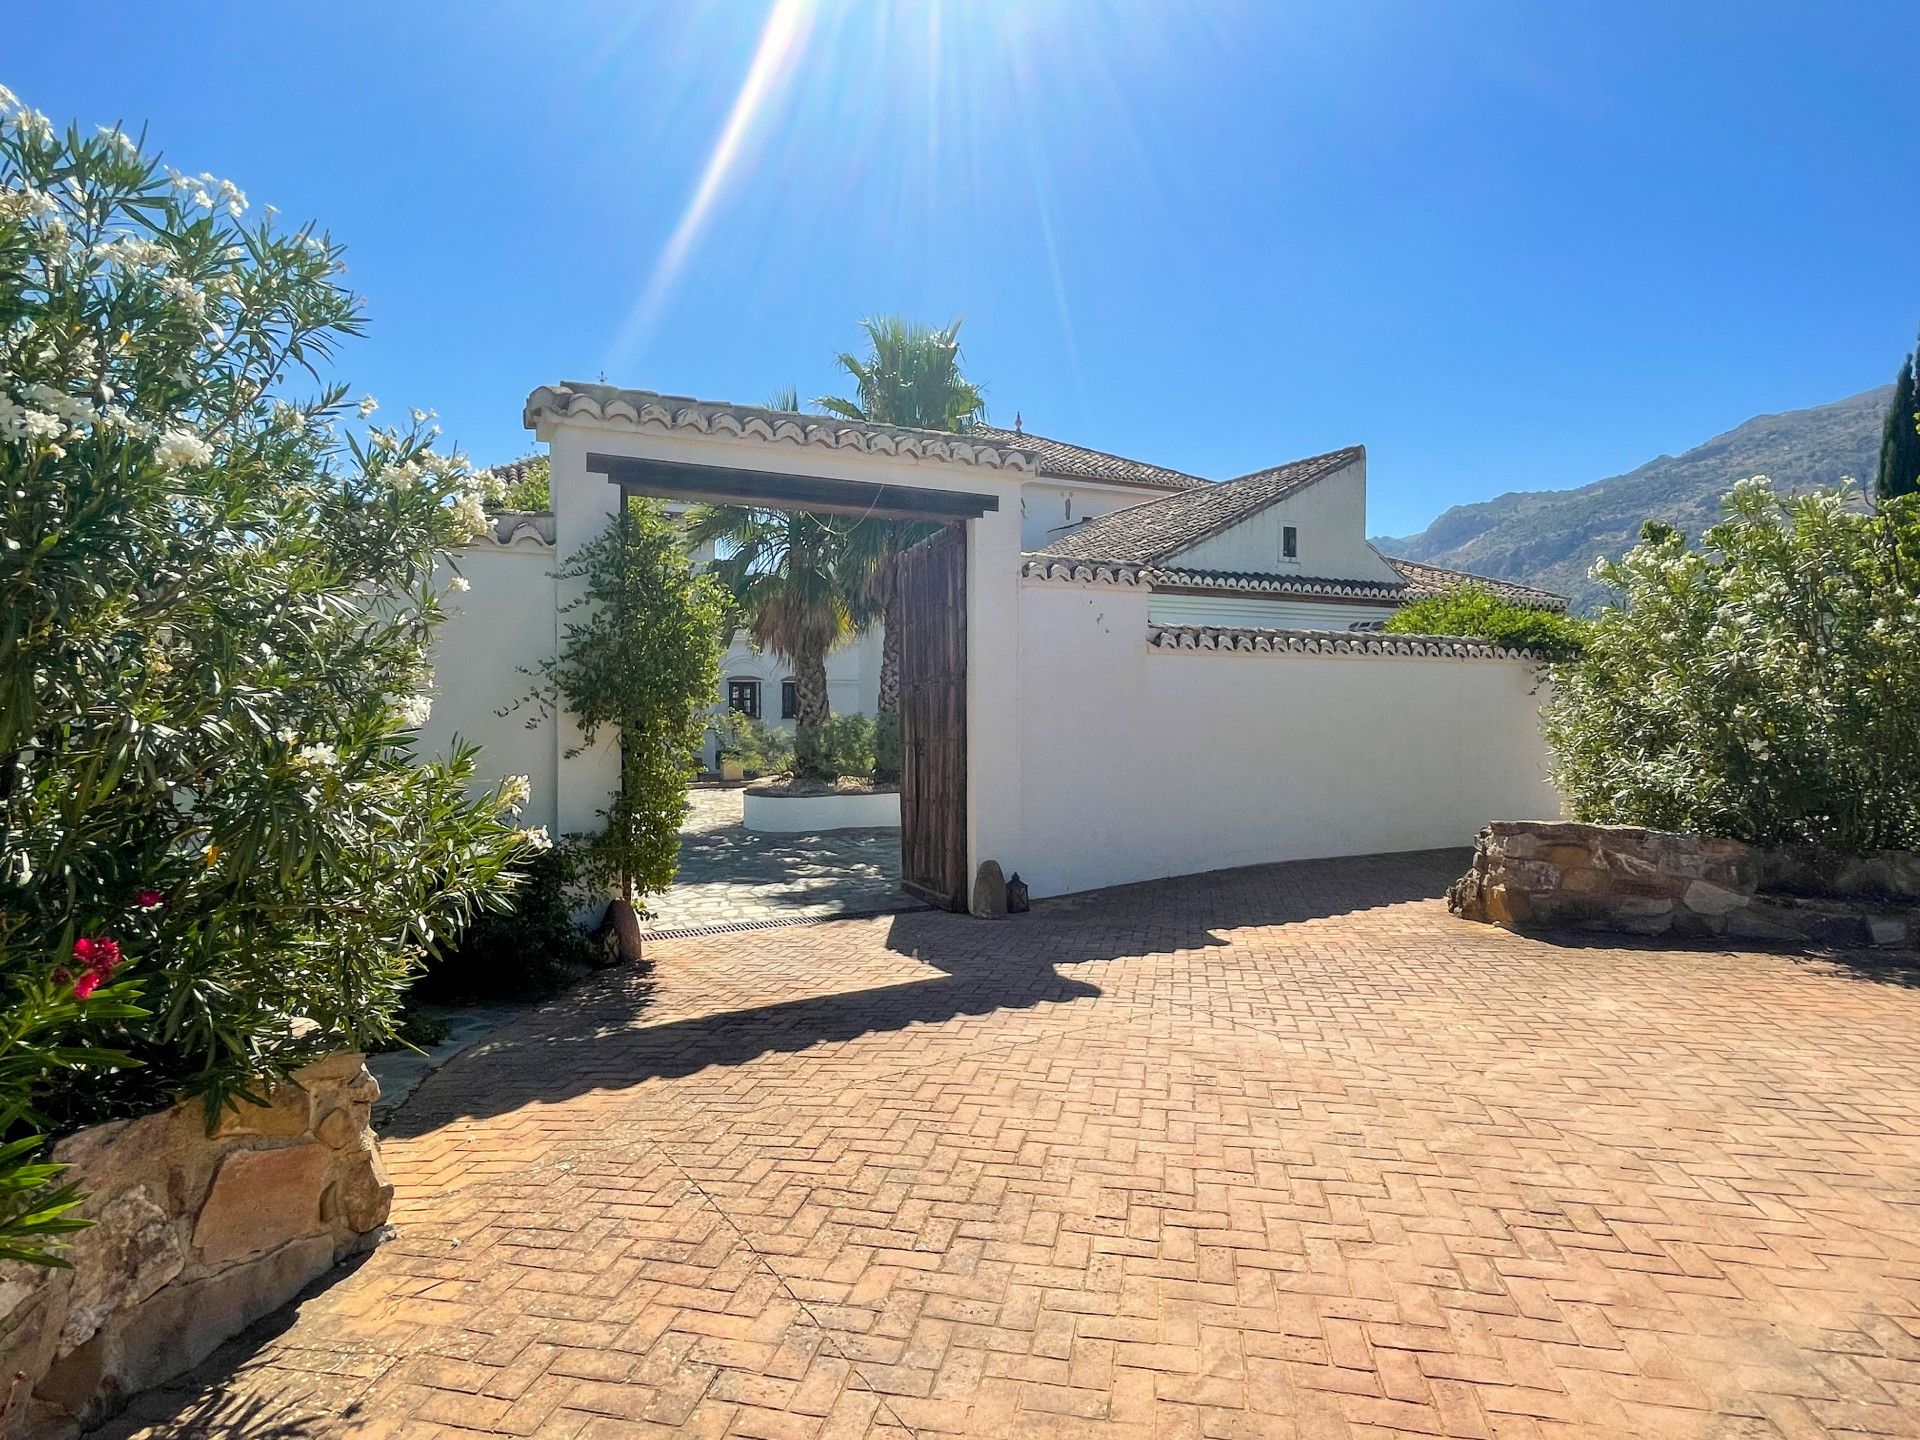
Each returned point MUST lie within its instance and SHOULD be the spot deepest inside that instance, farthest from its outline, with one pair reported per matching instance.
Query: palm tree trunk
(887, 719)
(890, 638)
(810, 710)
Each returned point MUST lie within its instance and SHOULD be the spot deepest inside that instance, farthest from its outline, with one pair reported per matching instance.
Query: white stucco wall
(507, 619)
(1331, 518)
(1050, 507)
(1140, 763)
(1262, 612)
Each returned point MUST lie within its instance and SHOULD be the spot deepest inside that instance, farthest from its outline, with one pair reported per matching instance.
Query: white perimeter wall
(506, 620)
(1139, 763)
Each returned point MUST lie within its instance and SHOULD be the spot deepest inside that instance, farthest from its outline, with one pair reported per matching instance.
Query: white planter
(810, 814)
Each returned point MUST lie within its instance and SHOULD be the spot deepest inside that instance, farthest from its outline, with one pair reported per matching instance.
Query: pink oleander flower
(101, 957)
(101, 954)
(149, 899)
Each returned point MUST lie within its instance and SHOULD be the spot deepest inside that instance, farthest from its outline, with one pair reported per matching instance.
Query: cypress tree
(1899, 472)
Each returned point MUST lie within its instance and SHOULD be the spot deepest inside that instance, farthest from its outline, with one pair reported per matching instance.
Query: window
(789, 700)
(744, 696)
(1289, 543)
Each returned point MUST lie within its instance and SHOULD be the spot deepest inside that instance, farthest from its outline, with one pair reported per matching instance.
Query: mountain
(1550, 537)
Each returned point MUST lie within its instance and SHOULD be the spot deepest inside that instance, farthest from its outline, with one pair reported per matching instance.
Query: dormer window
(1289, 542)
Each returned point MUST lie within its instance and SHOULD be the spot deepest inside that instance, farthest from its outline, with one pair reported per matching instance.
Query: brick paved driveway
(1283, 1152)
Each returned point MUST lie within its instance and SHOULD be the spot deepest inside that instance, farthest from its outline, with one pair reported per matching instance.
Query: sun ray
(783, 40)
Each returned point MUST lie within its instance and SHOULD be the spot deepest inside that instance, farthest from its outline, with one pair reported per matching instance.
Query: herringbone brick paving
(1281, 1152)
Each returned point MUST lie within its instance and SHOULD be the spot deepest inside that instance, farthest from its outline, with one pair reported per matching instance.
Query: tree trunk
(810, 710)
(886, 720)
(890, 650)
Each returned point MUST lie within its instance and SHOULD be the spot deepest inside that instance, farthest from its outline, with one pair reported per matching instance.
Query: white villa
(1112, 671)
(1284, 547)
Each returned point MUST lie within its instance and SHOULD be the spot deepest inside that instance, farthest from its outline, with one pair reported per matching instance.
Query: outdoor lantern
(1016, 895)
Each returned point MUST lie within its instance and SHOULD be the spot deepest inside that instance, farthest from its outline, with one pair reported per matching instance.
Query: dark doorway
(933, 719)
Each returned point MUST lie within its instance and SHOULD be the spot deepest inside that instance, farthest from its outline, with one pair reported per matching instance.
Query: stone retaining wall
(1536, 874)
(196, 1237)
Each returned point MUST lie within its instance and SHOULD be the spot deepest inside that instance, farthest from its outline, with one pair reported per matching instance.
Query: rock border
(197, 1234)
(1542, 874)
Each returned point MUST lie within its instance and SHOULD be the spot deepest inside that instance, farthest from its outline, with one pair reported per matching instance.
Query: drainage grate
(734, 927)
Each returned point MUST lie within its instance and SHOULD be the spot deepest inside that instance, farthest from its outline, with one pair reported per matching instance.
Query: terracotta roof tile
(1249, 640)
(1077, 462)
(650, 410)
(1424, 580)
(1150, 533)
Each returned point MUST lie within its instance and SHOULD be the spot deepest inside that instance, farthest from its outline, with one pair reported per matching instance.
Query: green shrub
(760, 749)
(218, 588)
(1479, 611)
(1765, 687)
(531, 487)
(531, 948)
(886, 748)
(842, 747)
(640, 657)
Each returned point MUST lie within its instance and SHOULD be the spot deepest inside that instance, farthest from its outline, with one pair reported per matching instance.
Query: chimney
(1016, 424)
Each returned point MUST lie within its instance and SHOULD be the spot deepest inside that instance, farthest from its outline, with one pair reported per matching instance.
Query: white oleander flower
(23, 422)
(469, 518)
(317, 757)
(459, 585)
(182, 447)
(32, 125)
(413, 710)
(515, 790)
(537, 839)
(368, 405)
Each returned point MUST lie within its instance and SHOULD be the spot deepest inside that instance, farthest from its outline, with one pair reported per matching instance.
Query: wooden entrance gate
(933, 719)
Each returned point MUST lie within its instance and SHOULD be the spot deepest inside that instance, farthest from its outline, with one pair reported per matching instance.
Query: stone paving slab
(730, 874)
(1280, 1152)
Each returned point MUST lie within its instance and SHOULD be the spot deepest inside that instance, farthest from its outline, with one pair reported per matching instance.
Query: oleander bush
(223, 854)
(1764, 686)
(530, 948)
(1479, 612)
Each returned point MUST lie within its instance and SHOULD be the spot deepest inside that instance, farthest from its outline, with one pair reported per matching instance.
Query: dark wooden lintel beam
(725, 485)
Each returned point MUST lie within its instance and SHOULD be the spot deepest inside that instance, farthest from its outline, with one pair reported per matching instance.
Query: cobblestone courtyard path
(1281, 1152)
(730, 874)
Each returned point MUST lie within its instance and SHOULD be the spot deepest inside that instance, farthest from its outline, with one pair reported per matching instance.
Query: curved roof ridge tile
(646, 409)
(1250, 639)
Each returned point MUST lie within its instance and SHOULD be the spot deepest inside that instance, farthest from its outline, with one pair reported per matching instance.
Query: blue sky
(1507, 244)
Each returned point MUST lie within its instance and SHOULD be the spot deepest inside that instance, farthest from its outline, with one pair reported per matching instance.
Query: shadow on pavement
(589, 1038)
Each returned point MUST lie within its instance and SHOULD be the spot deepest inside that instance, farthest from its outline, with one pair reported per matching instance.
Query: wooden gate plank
(933, 719)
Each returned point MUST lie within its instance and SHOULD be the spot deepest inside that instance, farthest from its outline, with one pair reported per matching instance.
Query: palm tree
(782, 569)
(791, 589)
(910, 377)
